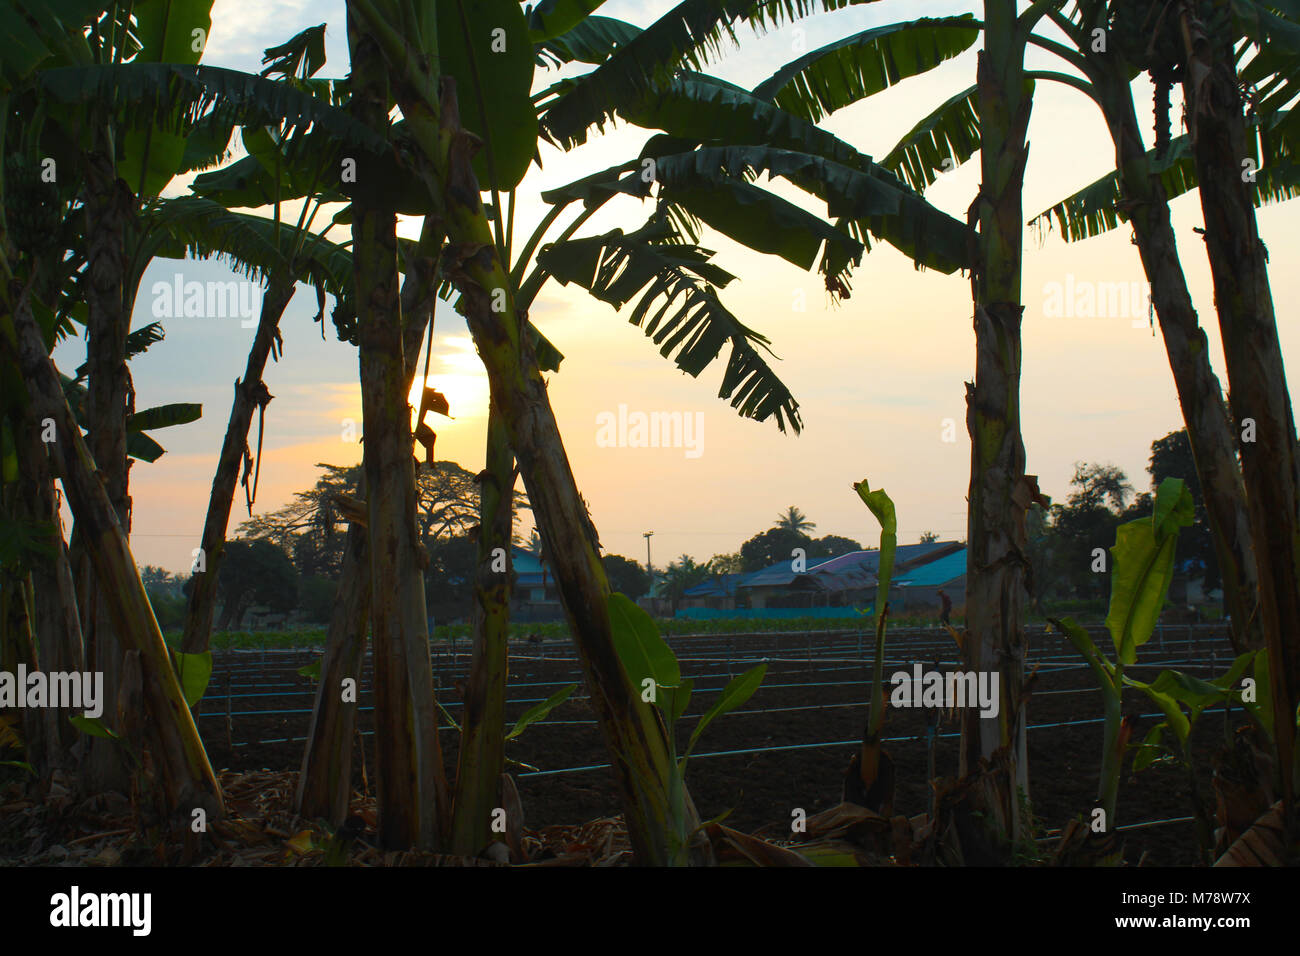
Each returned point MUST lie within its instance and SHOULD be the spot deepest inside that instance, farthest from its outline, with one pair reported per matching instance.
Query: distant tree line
(287, 562)
(1064, 539)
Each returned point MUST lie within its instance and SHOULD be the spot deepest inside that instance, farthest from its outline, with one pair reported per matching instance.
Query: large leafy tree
(311, 526)
(832, 546)
(768, 547)
(1084, 525)
(259, 573)
(626, 576)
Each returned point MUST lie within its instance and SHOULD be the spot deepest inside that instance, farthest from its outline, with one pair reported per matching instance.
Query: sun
(457, 373)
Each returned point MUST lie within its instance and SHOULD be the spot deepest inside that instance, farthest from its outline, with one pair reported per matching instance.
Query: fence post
(931, 738)
(230, 731)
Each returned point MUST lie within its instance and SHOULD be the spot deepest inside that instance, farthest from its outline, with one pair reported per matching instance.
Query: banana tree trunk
(1000, 491)
(325, 782)
(248, 391)
(18, 648)
(1199, 394)
(109, 399)
(412, 787)
(54, 597)
(186, 779)
(1256, 374)
(482, 743)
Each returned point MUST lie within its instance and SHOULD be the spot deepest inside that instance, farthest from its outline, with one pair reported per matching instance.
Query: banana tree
(124, 162)
(1000, 490)
(657, 267)
(869, 780)
(411, 781)
(1143, 554)
(843, 72)
(409, 39)
(56, 623)
(761, 393)
(75, 37)
(849, 182)
(186, 781)
(150, 104)
(325, 781)
(281, 168)
(160, 93)
(1139, 192)
(655, 670)
(1256, 374)
(660, 264)
(116, 165)
(293, 252)
(756, 394)
(1205, 54)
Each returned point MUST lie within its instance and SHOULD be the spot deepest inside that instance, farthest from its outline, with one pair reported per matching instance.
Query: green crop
(1143, 556)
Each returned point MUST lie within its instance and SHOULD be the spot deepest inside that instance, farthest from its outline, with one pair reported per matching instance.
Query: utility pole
(650, 570)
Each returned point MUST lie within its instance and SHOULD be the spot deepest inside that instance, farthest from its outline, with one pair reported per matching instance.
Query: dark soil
(826, 676)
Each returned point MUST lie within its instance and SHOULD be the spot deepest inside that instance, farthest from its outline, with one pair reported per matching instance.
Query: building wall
(922, 598)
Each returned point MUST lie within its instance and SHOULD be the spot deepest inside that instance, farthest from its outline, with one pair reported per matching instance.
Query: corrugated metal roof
(937, 572)
(871, 559)
(855, 563)
(854, 559)
(836, 574)
(775, 576)
(851, 578)
(851, 571)
(724, 585)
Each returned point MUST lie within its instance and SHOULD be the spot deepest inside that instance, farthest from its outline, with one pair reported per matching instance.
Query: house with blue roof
(833, 587)
(918, 585)
(536, 597)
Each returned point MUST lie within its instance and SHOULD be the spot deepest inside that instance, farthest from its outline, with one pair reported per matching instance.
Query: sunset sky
(876, 376)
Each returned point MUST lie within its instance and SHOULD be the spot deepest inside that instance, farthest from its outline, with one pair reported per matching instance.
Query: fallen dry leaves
(261, 829)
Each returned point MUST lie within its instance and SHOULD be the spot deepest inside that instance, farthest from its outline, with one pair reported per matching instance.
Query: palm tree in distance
(792, 519)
